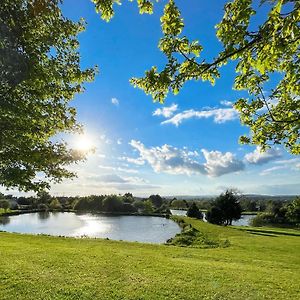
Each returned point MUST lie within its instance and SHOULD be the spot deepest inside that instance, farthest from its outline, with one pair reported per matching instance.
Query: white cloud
(118, 182)
(119, 169)
(119, 141)
(115, 101)
(227, 103)
(108, 178)
(258, 158)
(271, 170)
(137, 161)
(105, 139)
(220, 115)
(172, 160)
(167, 111)
(218, 164)
(292, 163)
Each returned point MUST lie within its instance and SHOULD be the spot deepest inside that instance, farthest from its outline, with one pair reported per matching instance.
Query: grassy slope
(253, 267)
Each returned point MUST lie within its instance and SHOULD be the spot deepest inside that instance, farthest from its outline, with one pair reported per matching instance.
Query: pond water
(243, 221)
(128, 228)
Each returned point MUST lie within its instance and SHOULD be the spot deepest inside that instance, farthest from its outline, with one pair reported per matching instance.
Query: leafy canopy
(225, 209)
(39, 74)
(261, 54)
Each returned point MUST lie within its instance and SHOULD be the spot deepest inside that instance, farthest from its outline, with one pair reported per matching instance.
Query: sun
(84, 143)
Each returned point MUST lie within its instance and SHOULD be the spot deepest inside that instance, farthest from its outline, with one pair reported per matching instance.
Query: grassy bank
(254, 266)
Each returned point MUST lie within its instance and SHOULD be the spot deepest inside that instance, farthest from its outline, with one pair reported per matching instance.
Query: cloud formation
(271, 170)
(218, 164)
(219, 115)
(227, 103)
(115, 101)
(137, 161)
(259, 158)
(166, 111)
(119, 169)
(169, 159)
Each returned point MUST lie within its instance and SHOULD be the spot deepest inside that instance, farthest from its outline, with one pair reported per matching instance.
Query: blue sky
(189, 145)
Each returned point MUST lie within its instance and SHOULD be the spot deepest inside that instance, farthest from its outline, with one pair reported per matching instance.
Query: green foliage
(44, 197)
(178, 204)
(39, 75)
(293, 211)
(225, 209)
(156, 200)
(89, 203)
(262, 219)
(4, 204)
(55, 204)
(194, 212)
(279, 213)
(112, 203)
(148, 206)
(191, 237)
(260, 55)
(106, 7)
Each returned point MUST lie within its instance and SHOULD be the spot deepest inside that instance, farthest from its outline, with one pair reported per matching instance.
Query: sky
(187, 146)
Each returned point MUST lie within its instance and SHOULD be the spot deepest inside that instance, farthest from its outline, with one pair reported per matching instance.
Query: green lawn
(254, 266)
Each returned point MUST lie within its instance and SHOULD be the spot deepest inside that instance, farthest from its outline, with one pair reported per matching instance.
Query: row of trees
(280, 213)
(223, 210)
(126, 203)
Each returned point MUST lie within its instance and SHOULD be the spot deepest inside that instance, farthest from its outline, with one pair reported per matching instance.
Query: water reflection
(127, 228)
(43, 215)
(4, 220)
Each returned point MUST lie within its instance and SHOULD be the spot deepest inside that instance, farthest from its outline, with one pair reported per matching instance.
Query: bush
(262, 219)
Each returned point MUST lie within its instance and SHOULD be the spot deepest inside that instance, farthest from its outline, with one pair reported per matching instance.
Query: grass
(252, 267)
(4, 211)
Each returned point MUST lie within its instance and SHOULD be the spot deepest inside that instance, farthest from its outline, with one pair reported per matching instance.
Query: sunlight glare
(84, 143)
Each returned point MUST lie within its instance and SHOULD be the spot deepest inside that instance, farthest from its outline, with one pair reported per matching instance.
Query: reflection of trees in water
(43, 215)
(4, 220)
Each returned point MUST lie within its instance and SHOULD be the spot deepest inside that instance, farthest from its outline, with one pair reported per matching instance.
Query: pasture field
(254, 264)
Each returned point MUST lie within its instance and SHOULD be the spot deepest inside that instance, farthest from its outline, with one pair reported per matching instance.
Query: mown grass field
(256, 265)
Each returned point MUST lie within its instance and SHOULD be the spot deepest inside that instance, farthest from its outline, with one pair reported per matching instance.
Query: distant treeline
(270, 210)
(126, 203)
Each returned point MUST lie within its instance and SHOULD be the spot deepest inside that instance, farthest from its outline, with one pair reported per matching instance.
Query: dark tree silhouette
(225, 209)
(194, 212)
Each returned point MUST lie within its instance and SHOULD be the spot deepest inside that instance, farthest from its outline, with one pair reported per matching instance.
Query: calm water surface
(243, 221)
(127, 228)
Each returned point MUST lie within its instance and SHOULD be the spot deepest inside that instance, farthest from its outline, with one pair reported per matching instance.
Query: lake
(243, 221)
(144, 229)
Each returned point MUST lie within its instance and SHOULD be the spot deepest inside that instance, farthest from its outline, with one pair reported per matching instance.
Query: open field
(255, 266)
